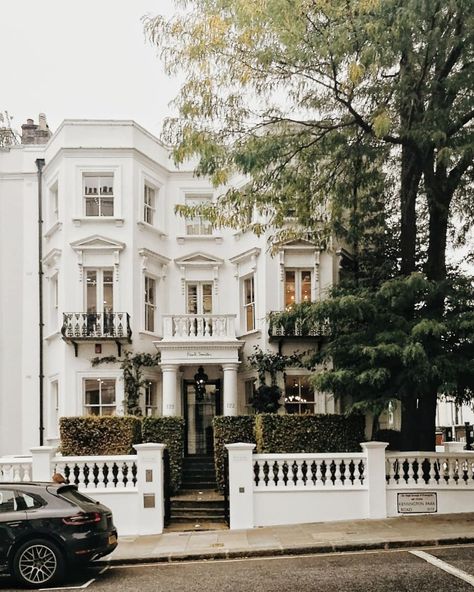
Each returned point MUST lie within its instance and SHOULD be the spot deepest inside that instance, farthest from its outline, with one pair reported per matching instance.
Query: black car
(46, 526)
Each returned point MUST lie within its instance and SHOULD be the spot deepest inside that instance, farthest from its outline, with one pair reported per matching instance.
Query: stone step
(195, 519)
(198, 485)
(205, 505)
(194, 512)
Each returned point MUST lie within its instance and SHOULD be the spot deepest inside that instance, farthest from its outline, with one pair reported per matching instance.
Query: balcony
(86, 327)
(295, 327)
(199, 327)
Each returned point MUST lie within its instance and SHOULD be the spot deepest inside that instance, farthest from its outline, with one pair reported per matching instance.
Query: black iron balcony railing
(97, 326)
(295, 326)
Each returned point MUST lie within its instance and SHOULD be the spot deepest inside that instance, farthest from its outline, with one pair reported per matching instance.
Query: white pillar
(230, 388)
(375, 476)
(240, 485)
(170, 390)
(150, 488)
(41, 457)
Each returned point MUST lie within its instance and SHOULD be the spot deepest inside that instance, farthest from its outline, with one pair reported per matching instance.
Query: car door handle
(13, 524)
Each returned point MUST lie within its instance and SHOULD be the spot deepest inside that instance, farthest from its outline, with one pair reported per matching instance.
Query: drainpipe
(39, 165)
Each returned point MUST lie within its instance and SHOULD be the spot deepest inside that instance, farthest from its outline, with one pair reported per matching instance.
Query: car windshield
(75, 496)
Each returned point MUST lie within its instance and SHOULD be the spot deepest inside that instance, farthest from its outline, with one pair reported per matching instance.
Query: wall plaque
(148, 500)
(425, 502)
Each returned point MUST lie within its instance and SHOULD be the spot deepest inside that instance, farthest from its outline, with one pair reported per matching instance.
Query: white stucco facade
(116, 258)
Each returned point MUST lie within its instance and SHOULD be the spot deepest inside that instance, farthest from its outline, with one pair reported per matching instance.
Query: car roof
(35, 485)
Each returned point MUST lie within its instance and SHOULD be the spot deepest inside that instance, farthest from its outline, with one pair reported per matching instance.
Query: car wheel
(37, 563)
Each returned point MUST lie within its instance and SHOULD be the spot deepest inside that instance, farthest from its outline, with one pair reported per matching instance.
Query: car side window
(26, 501)
(7, 501)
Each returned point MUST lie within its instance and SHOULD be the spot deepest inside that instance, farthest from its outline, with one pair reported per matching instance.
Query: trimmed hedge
(169, 431)
(308, 433)
(228, 430)
(97, 436)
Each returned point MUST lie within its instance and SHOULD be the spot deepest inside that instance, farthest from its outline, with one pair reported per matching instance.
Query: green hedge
(169, 431)
(92, 436)
(308, 433)
(228, 430)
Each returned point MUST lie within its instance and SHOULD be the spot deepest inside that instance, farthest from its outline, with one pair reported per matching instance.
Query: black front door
(199, 413)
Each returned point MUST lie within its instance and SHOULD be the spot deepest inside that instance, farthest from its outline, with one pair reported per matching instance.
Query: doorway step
(197, 510)
(198, 473)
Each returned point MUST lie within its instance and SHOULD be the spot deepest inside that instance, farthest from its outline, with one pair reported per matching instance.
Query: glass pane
(108, 392)
(290, 289)
(92, 410)
(250, 317)
(108, 288)
(305, 286)
(7, 503)
(207, 298)
(90, 185)
(149, 317)
(248, 288)
(92, 392)
(92, 206)
(106, 185)
(108, 411)
(107, 206)
(192, 299)
(91, 291)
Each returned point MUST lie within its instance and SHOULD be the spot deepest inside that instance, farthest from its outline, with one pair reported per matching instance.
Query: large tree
(300, 95)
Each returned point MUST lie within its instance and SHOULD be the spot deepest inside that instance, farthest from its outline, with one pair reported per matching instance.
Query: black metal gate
(167, 490)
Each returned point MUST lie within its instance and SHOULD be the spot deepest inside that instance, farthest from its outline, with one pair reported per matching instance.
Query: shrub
(169, 431)
(229, 430)
(96, 436)
(308, 433)
(393, 438)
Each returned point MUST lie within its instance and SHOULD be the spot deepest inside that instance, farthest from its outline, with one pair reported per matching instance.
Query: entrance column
(230, 388)
(170, 391)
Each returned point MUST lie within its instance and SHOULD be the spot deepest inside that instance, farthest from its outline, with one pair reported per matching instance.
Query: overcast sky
(86, 59)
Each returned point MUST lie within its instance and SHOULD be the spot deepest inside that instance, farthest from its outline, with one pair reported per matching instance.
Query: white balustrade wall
(120, 482)
(271, 489)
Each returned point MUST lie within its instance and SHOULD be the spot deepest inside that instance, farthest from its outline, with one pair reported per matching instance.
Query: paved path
(391, 533)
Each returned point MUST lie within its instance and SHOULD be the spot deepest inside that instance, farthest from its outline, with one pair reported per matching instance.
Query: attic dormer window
(98, 194)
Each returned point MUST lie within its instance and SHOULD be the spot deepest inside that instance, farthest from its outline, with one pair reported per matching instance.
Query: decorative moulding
(94, 219)
(145, 226)
(52, 229)
(99, 244)
(205, 237)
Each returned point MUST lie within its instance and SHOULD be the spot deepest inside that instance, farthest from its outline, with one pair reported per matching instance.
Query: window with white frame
(198, 225)
(99, 396)
(53, 416)
(299, 394)
(98, 194)
(249, 386)
(151, 399)
(150, 303)
(298, 284)
(53, 203)
(53, 300)
(248, 285)
(149, 204)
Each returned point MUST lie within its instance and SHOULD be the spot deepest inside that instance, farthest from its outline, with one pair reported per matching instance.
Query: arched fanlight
(200, 381)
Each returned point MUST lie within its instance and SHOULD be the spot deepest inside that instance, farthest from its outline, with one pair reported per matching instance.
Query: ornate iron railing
(85, 325)
(296, 326)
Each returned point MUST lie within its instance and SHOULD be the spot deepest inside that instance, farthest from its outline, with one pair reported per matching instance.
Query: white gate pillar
(375, 475)
(170, 389)
(230, 388)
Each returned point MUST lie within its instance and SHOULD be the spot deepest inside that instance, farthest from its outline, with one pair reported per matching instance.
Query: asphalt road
(381, 571)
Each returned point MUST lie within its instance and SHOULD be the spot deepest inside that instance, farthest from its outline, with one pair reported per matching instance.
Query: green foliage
(132, 365)
(229, 430)
(308, 433)
(169, 431)
(268, 365)
(391, 436)
(93, 436)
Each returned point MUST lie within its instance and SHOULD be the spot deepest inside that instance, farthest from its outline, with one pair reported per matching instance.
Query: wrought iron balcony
(191, 326)
(295, 327)
(97, 326)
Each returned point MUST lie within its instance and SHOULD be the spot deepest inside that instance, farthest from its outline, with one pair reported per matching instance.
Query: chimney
(32, 133)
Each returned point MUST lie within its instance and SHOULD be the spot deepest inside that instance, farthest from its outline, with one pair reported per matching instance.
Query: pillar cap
(374, 445)
(149, 446)
(240, 446)
(43, 449)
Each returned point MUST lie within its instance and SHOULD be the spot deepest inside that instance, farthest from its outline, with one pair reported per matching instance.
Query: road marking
(454, 571)
(83, 587)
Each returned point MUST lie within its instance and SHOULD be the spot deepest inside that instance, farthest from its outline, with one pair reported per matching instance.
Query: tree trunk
(409, 428)
(427, 422)
(411, 171)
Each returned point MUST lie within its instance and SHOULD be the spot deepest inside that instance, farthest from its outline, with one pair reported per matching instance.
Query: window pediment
(97, 242)
(199, 259)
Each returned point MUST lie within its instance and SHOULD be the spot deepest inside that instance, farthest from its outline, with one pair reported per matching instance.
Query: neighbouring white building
(122, 271)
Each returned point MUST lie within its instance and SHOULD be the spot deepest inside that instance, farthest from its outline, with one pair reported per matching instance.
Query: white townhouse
(121, 271)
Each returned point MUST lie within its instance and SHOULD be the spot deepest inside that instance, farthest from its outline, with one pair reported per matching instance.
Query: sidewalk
(297, 539)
